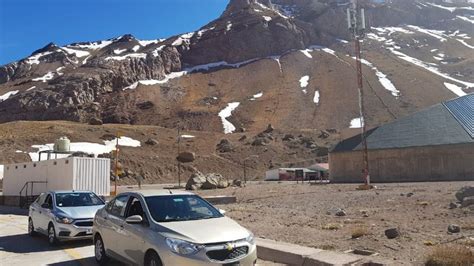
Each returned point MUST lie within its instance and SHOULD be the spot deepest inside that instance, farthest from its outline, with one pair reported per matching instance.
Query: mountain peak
(49, 47)
(126, 38)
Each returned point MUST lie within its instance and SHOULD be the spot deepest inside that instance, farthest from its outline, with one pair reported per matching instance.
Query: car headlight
(182, 247)
(63, 219)
(250, 239)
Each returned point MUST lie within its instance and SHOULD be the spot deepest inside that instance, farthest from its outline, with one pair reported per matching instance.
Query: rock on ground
(392, 233)
(465, 192)
(186, 157)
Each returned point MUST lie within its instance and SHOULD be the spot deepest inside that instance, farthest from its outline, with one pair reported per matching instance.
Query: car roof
(69, 191)
(158, 192)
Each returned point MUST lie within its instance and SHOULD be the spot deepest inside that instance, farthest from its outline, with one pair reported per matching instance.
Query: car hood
(206, 231)
(86, 212)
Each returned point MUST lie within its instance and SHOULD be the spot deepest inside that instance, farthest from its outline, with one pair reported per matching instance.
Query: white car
(64, 215)
(164, 227)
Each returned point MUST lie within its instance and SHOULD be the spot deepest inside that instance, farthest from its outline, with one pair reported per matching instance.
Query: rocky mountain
(284, 62)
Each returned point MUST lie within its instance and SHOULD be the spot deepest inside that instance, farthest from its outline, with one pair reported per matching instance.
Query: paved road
(17, 248)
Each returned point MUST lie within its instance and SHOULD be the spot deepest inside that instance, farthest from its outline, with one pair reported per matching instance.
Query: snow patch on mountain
(428, 67)
(307, 52)
(92, 46)
(35, 59)
(226, 113)
(386, 83)
(45, 78)
(87, 147)
(132, 55)
(357, 123)
(77, 53)
(391, 30)
(455, 89)
(7, 95)
(160, 48)
(185, 38)
(136, 48)
(465, 43)
(256, 96)
(316, 97)
(148, 42)
(466, 19)
(451, 9)
(438, 34)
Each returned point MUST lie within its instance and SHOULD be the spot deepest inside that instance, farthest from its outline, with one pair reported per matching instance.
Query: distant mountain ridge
(189, 78)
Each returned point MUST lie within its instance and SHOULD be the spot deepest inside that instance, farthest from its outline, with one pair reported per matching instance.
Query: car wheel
(99, 251)
(31, 228)
(52, 239)
(152, 259)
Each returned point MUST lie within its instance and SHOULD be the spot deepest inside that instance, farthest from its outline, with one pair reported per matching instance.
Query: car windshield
(77, 199)
(180, 208)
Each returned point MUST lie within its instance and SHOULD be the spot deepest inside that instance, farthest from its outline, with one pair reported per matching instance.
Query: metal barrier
(28, 198)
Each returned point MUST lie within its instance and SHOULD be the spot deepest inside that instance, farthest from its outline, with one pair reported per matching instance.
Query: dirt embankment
(306, 215)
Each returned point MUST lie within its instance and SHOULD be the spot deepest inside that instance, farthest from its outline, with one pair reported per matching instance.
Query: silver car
(164, 227)
(64, 215)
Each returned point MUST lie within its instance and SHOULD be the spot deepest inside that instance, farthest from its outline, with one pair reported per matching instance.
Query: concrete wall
(430, 163)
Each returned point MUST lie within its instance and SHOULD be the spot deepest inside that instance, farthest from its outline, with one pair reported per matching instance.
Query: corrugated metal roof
(463, 110)
(436, 125)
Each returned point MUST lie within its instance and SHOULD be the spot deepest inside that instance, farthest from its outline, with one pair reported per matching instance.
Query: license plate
(89, 231)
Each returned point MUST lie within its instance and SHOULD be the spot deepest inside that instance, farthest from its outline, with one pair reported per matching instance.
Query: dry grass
(332, 226)
(467, 227)
(349, 221)
(326, 247)
(359, 231)
(469, 242)
(423, 203)
(450, 255)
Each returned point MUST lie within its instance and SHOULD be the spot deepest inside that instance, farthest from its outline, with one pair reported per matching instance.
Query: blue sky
(27, 25)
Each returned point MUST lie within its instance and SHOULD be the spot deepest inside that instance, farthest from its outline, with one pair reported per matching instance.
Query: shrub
(332, 226)
(359, 231)
(450, 255)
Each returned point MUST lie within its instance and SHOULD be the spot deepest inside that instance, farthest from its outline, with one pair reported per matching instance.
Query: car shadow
(4, 210)
(24, 243)
(85, 262)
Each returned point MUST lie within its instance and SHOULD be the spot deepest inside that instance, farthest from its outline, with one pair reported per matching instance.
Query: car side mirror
(45, 206)
(135, 219)
(222, 211)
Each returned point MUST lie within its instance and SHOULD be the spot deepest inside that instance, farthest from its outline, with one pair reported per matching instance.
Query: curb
(291, 254)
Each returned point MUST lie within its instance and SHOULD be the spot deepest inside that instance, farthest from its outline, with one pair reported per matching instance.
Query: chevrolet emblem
(229, 246)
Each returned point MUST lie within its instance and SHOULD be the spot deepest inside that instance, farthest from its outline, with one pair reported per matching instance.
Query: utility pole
(179, 151)
(357, 27)
(116, 163)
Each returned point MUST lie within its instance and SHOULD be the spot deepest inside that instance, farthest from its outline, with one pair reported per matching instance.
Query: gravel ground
(298, 213)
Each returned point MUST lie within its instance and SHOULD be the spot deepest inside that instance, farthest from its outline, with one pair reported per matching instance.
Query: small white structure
(73, 173)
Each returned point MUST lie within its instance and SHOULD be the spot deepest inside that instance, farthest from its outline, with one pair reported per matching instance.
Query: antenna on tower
(357, 27)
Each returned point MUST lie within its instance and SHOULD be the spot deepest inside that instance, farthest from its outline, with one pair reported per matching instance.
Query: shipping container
(73, 173)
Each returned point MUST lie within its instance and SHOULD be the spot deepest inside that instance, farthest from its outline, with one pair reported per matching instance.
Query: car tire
(152, 259)
(31, 228)
(52, 239)
(99, 251)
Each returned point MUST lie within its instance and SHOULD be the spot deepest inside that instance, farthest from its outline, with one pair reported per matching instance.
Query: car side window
(40, 199)
(109, 205)
(118, 206)
(134, 208)
(49, 201)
